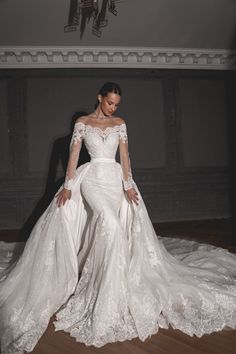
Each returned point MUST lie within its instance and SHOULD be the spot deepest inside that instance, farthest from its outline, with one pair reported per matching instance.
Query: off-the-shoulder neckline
(98, 128)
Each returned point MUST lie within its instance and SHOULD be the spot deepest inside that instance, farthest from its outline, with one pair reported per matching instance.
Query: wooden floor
(217, 232)
(164, 342)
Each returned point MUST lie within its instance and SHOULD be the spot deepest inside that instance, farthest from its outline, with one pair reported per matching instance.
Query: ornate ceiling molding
(116, 57)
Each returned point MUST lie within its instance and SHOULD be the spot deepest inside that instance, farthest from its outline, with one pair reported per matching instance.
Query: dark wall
(179, 125)
(231, 113)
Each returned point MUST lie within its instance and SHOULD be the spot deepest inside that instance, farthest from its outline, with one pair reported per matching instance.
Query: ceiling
(206, 24)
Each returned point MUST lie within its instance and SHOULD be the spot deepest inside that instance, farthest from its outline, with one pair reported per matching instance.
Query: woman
(94, 259)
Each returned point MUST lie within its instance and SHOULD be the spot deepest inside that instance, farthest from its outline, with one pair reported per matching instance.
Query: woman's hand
(63, 196)
(132, 195)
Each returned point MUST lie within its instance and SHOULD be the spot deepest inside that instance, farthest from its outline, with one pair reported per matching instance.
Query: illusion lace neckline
(114, 127)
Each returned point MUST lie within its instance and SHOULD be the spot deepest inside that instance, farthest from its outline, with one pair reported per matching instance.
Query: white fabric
(106, 149)
(99, 264)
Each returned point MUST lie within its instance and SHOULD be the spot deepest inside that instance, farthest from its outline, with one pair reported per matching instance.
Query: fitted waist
(102, 159)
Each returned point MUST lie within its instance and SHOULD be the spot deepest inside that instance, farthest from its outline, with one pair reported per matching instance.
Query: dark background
(181, 138)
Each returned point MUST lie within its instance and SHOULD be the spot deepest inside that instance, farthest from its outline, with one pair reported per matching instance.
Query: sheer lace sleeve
(75, 146)
(124, 158)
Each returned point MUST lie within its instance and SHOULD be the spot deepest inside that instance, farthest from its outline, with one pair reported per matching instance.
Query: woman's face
(109, 103)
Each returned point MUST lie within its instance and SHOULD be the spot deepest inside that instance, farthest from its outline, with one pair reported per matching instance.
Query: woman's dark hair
(110, 87)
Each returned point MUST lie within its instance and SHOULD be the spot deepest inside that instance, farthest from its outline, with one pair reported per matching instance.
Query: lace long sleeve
(75, 147)
(124, 158)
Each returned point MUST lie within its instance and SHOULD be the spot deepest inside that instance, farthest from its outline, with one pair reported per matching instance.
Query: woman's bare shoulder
(82, 119)
(119, 120)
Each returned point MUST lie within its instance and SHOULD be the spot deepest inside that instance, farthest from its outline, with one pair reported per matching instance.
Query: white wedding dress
(97, 263)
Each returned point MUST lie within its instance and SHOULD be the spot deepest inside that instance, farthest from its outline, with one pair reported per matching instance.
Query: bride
(93, 257)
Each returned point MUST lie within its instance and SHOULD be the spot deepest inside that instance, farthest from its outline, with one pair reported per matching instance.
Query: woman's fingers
(135, 200)
(61, 200)
(62, 197)
(135, 197)
(132, 196)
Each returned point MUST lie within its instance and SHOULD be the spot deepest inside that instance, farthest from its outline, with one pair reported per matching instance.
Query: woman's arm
(75, 147)
(128, 182)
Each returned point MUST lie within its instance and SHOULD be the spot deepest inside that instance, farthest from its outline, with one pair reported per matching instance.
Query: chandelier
(81, 12)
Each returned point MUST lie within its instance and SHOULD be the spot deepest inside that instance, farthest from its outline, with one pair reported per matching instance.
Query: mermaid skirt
(99, 265)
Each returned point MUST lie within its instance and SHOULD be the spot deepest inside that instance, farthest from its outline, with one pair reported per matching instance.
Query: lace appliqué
(68, 183)
(78, 133)
(77, 137)
(123, 133)
(129, 182)
(104, 133)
